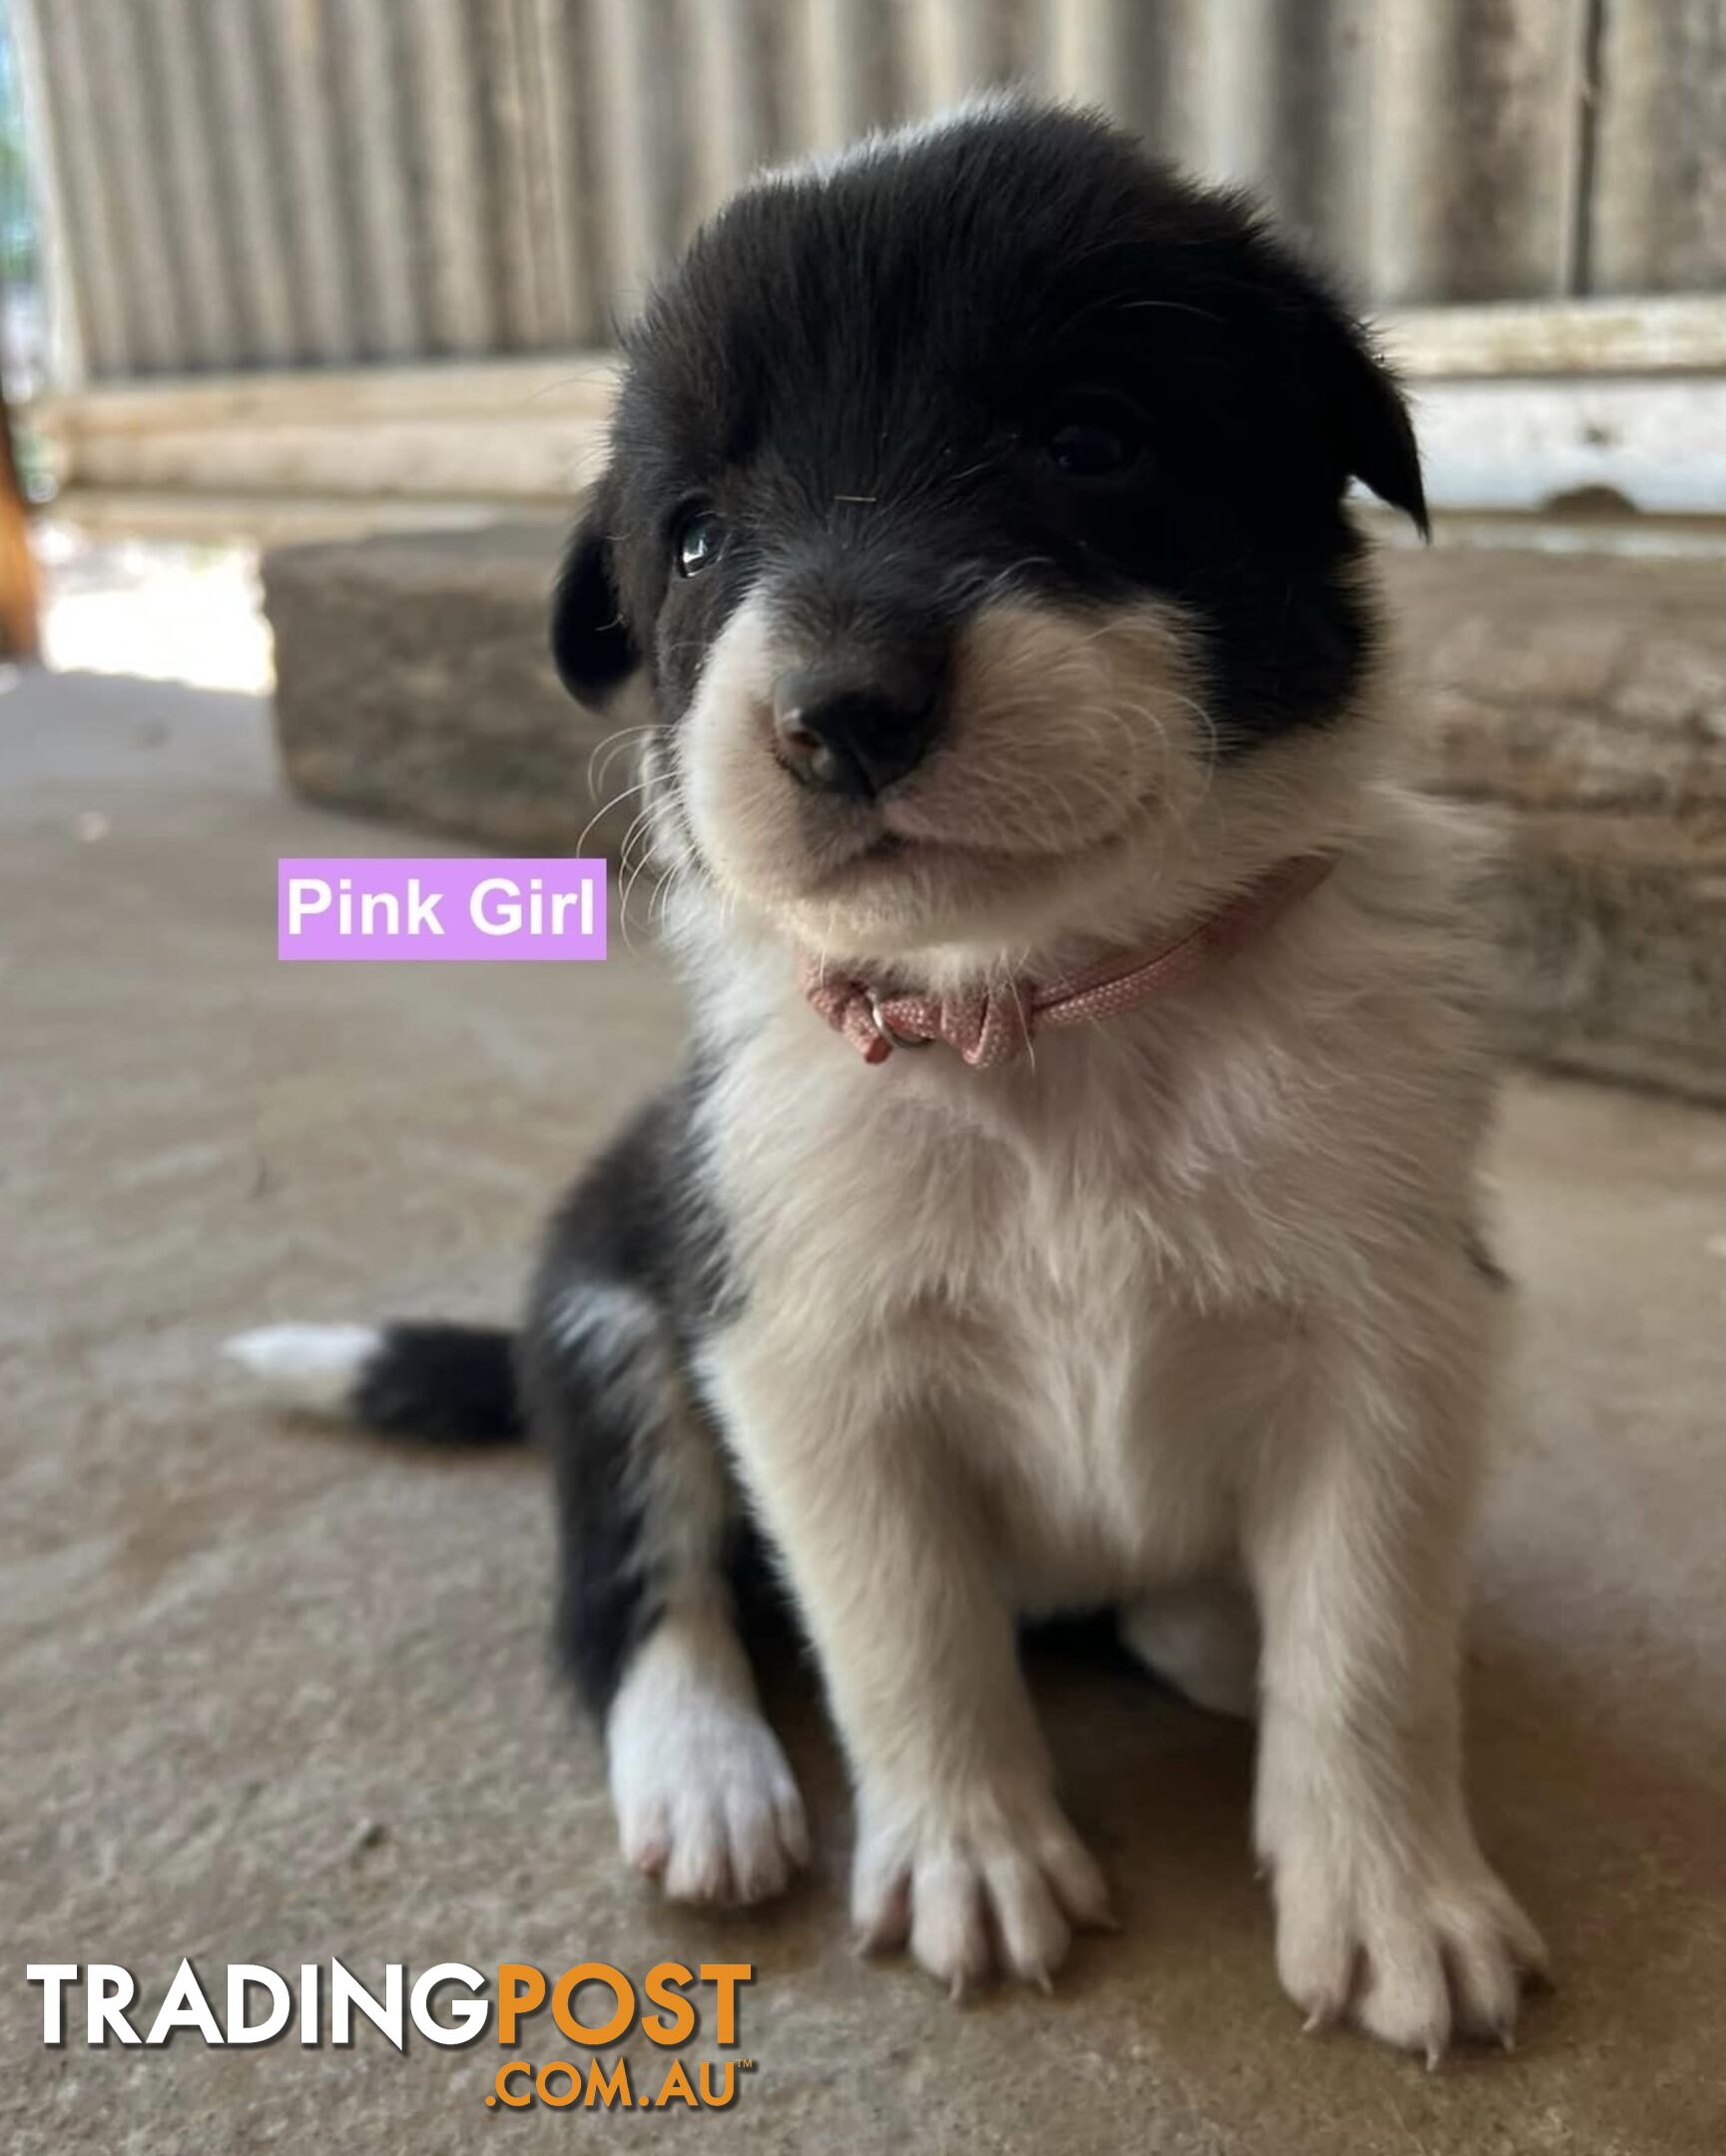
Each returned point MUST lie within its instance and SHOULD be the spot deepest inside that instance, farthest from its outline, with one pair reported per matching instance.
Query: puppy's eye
(1095, 438)
(698, 541)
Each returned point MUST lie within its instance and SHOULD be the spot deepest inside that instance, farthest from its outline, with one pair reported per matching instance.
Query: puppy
(1068, 1202)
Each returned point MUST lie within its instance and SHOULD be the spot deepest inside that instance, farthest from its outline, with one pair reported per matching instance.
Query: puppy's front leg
(960, 1843)
(1387, 1913)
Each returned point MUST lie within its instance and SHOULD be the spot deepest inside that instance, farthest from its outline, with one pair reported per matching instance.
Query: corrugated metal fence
(291, 182)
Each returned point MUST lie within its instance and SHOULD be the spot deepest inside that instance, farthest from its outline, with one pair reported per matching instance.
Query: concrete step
(1579, 697)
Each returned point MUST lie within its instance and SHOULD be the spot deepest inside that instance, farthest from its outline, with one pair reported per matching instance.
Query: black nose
(850, 731)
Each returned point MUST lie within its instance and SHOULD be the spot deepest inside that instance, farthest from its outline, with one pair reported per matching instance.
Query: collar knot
(990, 1026)
(986, 1026)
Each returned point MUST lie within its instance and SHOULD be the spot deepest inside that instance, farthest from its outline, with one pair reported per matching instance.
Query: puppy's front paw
(974, 1882)
(1418, 1948)
(705, 1803)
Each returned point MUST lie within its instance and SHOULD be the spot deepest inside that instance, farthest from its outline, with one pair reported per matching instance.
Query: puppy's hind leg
(1202, 1638)
(704, 1799)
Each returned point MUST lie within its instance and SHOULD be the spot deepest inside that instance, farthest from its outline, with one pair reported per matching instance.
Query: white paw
(975, 1883)
(1421, 1951)
(705, 1801)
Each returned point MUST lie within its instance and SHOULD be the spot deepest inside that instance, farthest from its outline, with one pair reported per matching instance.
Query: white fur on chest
(1060, 1269)
(1076, 1289)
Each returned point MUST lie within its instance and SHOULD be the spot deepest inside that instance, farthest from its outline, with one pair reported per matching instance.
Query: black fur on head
(877, 377)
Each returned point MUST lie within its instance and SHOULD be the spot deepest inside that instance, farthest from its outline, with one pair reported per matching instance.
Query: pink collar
(992, 1025)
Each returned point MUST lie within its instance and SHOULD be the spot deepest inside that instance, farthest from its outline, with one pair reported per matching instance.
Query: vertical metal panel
(1482, 102)
(1226, 119)
(1113, 54)
(245, 206)
(45, 146)
(209, 321)
(528, 72)
(726, 119)
(1323, 145)
(631, 106)
(380, 214)
(450, 173)
(137, 218)
(836, 54)
(1083, 53)
(298, 59)
(950, 50)
(550, 64)
(1167, 89)
(281, 180)
(1019, 41)
(514, 229)
(1658, 214)
(1142, 61)
(1275, 94)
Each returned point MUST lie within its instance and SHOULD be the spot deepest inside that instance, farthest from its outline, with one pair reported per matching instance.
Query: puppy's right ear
(591, 646)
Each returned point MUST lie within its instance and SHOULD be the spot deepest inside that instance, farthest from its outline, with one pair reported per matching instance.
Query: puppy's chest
(1121, 1361)
(1067, 1282)
(940, 1181)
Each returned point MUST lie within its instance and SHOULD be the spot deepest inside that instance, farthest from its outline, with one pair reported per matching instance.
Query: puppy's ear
(590, 641)
(1364, 414)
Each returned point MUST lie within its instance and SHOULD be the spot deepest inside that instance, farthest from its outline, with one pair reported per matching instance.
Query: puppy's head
(975, 512)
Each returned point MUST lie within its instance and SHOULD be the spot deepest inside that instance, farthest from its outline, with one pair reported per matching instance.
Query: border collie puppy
(1069, 1199)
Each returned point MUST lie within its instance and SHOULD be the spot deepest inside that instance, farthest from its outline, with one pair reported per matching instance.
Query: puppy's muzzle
(851, 728)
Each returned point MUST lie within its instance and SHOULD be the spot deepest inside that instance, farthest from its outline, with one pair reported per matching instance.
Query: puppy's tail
(450, 1384)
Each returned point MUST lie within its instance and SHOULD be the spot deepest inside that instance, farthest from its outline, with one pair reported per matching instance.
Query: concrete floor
(272, 1695)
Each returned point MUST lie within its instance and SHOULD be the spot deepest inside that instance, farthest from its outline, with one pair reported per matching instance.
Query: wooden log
(1582, 337)
(1658, 447)
(546, 461)
(414, 682)
(1657, 444)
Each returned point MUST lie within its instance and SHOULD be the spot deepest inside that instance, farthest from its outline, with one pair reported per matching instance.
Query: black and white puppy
(975, 529)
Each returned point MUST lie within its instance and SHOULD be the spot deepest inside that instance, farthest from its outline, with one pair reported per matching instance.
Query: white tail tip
(312, 1367)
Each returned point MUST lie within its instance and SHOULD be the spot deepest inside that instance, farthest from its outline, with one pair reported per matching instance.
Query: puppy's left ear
(591, 644)
(1365, 415)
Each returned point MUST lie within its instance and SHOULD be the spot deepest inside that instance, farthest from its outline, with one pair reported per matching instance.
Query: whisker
(605, 809)
(607, 747)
